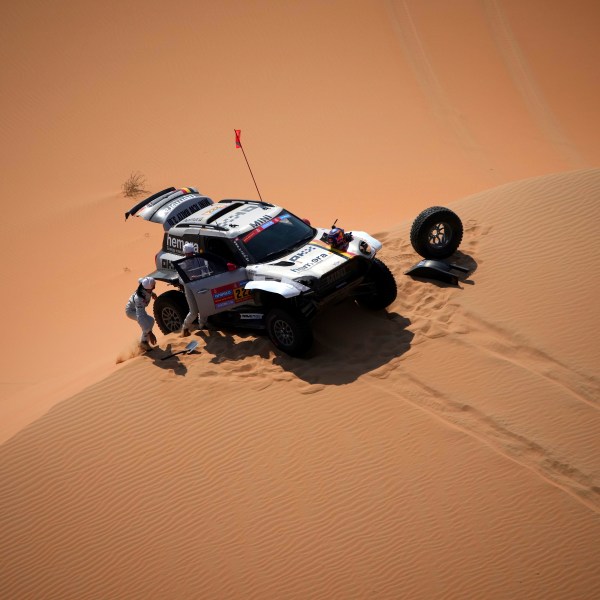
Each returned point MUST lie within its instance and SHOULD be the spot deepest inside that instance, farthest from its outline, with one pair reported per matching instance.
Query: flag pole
(238, 144)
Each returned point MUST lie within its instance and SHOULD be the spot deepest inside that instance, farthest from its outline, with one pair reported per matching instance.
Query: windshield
(282, 234)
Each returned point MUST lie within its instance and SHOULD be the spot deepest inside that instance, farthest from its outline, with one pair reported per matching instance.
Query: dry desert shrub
(135, 185)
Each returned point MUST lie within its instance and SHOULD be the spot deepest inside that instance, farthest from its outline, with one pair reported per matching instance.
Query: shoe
(185, 332)
(145, 346)
(152, 338)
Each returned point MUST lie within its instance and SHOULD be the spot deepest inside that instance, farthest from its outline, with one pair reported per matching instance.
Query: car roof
(230, 217)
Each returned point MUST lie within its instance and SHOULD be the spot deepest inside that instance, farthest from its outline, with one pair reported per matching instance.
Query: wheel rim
(171, 318)
(439, 235)
(283, 333)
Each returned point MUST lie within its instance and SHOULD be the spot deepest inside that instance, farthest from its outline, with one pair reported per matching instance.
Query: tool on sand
(187, 350)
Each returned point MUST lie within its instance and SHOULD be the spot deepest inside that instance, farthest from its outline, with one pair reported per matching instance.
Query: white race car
(265, 267)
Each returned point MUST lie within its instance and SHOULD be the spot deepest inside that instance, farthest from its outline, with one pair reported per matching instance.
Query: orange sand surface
(447, 447)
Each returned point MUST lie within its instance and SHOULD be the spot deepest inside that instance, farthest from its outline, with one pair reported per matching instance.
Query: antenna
(238, 144)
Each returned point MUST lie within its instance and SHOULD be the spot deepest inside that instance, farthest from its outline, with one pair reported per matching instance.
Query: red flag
(238, 133)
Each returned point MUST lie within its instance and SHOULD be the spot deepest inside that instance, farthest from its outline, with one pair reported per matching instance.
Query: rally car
(266, 268)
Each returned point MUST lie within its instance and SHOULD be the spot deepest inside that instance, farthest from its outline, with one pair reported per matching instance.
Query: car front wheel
(382, 287)
(289, 331)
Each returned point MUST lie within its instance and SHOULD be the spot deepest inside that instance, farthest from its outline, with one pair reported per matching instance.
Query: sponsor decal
(191, 221)
(213, 209)
(258, 229)
(306, 250)
(262, 220)
(224, 303)
(232, 217)
(232, 293)
(262, 224)
(176, 244)
(311, 263)
(160, 199)
(186, 212)
(169, 206)
(338, 274)
(223, 294)
(249, 316)
(241, 249)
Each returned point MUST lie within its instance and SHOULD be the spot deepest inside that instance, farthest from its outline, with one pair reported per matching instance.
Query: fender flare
(287, 289)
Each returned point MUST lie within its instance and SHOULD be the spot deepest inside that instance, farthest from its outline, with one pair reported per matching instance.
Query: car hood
(314, 259)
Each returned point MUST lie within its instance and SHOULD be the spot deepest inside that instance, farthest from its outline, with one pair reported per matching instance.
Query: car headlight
(365, 248)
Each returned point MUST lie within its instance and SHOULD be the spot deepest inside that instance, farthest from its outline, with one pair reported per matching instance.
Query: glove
(152, 338)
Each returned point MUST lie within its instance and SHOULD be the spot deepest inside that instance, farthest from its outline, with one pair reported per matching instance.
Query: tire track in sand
(512, 445)
(435, 314)
(493, 340)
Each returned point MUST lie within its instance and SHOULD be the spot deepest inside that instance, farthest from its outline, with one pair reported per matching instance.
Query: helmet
(188, 248)
(148, 283)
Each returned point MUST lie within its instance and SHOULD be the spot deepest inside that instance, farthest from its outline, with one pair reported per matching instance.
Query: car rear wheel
(170, 310)
(436, 233)
(289, 331)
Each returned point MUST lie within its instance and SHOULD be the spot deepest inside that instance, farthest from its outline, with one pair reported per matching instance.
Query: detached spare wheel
(436, 233)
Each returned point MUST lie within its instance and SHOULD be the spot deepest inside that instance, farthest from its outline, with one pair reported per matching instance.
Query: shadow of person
(172, 363)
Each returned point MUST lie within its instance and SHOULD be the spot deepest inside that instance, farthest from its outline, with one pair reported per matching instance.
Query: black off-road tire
(289, 331)
(383, 284)
(170, 310)
(436, 233)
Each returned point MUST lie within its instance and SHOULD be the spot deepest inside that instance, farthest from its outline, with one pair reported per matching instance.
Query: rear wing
(170, 206)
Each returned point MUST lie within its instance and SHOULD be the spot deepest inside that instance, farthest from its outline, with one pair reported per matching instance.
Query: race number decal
(232, 293)
(241, 295)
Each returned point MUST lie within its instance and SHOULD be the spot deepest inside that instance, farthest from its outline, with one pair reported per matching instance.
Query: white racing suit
(194, 312)
(136, 310)
(195, 268)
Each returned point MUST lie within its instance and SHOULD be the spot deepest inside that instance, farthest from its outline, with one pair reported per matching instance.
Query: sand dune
(444, 448)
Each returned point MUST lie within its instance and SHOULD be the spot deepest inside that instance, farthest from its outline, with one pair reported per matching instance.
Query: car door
(216, 284)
